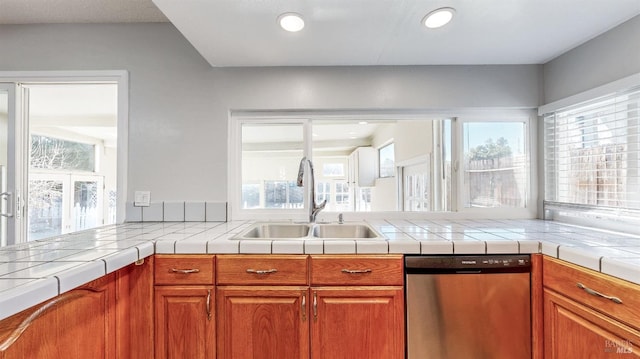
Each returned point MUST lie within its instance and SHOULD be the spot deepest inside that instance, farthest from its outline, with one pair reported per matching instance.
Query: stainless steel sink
(344, 231)
(276, 231)
(304, 231)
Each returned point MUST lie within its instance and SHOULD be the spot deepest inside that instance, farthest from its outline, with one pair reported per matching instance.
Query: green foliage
(491, 150)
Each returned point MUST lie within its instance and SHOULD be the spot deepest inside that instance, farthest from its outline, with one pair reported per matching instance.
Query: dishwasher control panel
(479, 263)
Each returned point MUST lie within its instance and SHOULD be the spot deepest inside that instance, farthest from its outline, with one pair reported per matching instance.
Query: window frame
(457, 198)
(235, 171)
(393, 170)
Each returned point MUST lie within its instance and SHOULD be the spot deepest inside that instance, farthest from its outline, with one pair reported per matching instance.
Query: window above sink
(432, 170)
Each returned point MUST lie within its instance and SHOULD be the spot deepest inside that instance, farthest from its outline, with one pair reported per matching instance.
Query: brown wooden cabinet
(110, 317)
(185, 327)
(579, 323)
(296, 306)
(266, 306)
(357, 322)
(134, 308)
(80, 323)
(263, 306)
(357, 307)
(263, 322)
(184, 307)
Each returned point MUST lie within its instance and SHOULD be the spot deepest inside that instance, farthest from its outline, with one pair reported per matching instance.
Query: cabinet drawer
(260, 269)
(184, 269)
(357, 270)
(565, 278)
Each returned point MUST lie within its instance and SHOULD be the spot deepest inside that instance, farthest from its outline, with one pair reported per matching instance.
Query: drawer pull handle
(262, 271)
(598, 294)
(357, 271)
(185, 271)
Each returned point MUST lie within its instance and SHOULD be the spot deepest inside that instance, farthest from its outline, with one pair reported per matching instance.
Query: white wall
(414, 139)
(179, 105)
(606, 58)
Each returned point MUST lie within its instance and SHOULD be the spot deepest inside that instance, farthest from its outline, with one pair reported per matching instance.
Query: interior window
(355, 164)
(63, 161)
(271, 153)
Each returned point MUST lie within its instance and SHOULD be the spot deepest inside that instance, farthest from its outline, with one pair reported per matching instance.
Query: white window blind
(592, 153)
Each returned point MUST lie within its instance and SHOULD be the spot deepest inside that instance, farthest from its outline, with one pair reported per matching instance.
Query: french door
(62, 203)
(12, 139)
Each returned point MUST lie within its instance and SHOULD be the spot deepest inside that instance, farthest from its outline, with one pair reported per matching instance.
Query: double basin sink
(307, 231)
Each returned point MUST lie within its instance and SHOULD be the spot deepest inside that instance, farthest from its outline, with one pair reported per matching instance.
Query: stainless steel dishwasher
(468, 307)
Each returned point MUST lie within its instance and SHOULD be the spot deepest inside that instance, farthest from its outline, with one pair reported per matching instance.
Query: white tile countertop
(33, 272)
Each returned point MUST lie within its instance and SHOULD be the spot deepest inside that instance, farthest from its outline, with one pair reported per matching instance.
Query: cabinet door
(185, 327)
(572, 330)
(76, 324)
(134, 286)
(263, 322)
(357, 322)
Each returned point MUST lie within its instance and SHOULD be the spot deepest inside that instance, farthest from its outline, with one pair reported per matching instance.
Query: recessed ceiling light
(291, 22)
(362, 122)
(438, 18)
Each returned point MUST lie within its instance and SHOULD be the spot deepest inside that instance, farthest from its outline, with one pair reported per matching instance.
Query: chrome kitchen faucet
(314, 209)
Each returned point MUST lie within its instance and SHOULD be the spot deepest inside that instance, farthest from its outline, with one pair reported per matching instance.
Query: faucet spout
(314, 208)
(299, 181)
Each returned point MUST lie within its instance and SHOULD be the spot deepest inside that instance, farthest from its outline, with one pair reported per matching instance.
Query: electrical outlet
(142, 198)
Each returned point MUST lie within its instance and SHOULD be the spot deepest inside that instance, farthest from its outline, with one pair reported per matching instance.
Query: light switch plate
(142, 198)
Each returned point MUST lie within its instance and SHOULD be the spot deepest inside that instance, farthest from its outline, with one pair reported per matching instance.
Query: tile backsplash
(176, 211)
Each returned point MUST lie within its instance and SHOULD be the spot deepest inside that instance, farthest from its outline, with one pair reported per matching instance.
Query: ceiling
(353, 32)
(389, 32)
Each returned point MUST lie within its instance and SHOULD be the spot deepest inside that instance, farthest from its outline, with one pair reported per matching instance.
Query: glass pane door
(64, 203)
(87, 198)
(10, 170)
(4, 187)
(416, 188)
(46, 207)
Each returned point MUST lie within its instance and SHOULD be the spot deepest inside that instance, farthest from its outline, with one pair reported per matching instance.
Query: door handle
(7, 197)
